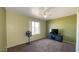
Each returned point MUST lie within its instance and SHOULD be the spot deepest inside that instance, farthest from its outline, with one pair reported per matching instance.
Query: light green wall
(66, 26)
(2, 29)
(17, 25)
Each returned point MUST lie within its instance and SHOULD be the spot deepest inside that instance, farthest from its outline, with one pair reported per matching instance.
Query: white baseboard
(69, 42)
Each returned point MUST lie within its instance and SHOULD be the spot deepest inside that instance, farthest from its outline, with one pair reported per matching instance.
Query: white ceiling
(55, 12)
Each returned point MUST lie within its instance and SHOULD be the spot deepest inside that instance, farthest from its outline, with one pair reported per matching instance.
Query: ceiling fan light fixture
(44, 11)
(45, 16)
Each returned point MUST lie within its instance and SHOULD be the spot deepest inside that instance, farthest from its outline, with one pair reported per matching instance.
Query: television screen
(54, 31)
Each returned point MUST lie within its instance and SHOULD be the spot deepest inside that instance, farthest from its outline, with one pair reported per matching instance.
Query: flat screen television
(54, 31)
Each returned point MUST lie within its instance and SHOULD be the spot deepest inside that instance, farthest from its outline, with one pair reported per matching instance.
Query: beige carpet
(44, 45)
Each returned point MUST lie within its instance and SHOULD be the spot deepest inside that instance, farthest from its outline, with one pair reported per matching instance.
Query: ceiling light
(44, 11)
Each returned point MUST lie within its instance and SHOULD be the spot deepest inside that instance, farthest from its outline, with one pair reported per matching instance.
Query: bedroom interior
(41, 21)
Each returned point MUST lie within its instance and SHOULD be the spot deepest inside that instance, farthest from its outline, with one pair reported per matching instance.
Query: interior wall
(17, 25)
(66, 26)
(2, 29)
(77, 41)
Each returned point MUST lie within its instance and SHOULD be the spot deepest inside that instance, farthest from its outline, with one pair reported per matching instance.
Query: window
(35, 27)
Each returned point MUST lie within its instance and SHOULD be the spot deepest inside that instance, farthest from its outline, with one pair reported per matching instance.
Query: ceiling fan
(45, 11)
